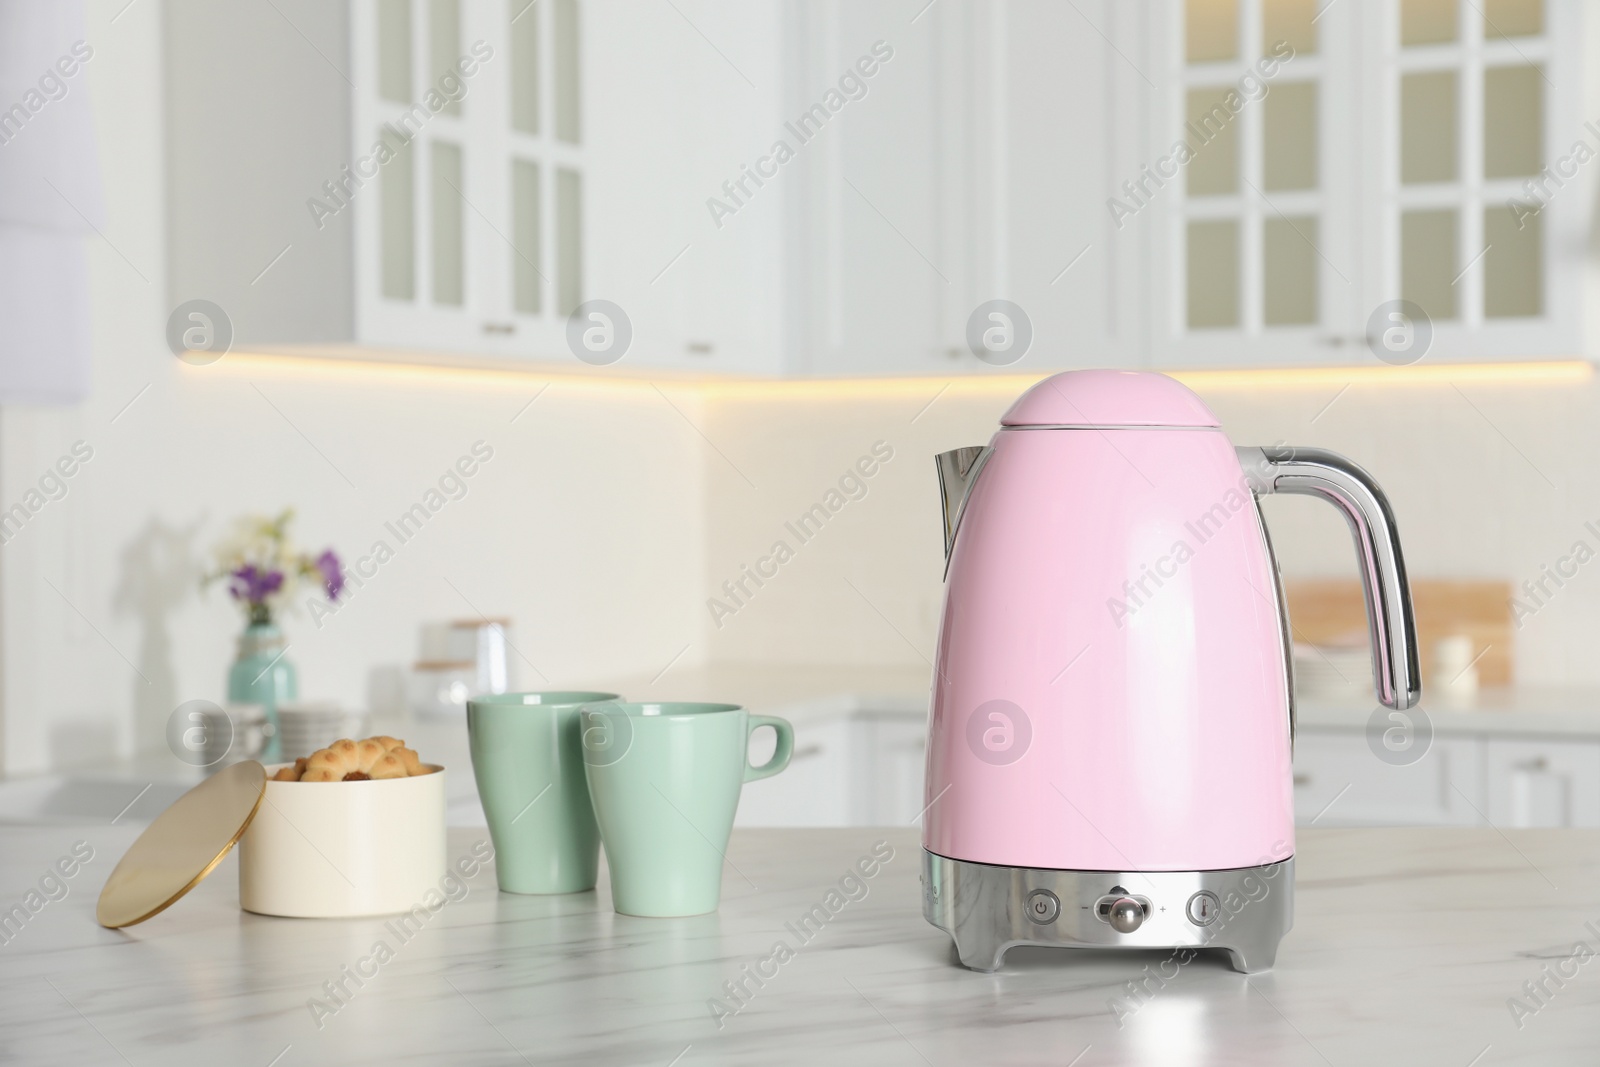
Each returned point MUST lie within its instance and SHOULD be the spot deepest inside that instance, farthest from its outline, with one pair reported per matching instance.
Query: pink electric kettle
(1109, 749)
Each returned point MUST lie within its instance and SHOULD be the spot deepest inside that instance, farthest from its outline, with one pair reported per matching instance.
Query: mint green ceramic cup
(527, 757)
(665, 781)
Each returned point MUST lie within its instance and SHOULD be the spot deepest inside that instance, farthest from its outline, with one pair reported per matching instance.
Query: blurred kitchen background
(369, 316)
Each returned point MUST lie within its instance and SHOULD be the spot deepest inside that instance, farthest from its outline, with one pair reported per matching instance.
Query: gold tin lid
(183, 845)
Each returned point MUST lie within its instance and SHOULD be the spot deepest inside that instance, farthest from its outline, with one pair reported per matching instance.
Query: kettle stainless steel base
(987, 909)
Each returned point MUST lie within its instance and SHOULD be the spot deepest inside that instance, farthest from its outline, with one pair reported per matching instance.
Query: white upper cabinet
(687, 204)
(877, 269)
(1248, 184)
(458, 177)
(1478, 100)
(469, 230)
(393, 174)
(969, 171)
(887, 187)
(1342, 183)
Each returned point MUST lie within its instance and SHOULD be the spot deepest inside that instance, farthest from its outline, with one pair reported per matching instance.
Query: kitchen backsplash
(1479, 476)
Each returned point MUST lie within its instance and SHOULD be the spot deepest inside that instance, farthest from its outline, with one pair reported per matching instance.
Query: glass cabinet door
(1393, 154)
(540, 162)
(1469, 218)
(468, 117)
(1250, 194)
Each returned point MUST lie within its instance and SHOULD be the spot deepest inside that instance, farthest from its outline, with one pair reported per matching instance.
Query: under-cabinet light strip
(1551, 372)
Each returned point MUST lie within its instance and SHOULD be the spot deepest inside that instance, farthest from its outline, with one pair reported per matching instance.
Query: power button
(1043, 907)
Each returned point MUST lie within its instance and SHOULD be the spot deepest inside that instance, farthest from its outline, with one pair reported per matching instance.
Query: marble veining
(1407, 947)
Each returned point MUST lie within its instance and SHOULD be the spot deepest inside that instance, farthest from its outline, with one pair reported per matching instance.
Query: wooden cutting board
(1332, 612)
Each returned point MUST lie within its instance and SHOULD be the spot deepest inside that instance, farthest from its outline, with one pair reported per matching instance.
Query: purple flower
(332, 573)
(252, 584)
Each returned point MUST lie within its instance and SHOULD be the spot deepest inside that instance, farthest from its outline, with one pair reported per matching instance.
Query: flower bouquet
(262, 570)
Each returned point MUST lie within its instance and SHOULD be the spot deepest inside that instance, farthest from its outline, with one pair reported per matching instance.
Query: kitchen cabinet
(1462, 780)
(418, 184)
(1348, 157)
(684, 102)
(1167, 183)
(557, 172)
(1338, 781)
(864, 767)
(861, 769)
(965, 174)
(447, 179)
(813, 791)
(1362, 155)
(1543, 783)
(470, 237)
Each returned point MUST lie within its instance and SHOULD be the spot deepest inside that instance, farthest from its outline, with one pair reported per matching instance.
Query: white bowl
(337, 849)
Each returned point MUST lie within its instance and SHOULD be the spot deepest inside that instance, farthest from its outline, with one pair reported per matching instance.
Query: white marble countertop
(1407, 946)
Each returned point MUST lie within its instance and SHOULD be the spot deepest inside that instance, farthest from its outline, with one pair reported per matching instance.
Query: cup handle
(780, 755)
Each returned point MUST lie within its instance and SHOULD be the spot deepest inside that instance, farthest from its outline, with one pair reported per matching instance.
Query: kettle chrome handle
(1317, 472)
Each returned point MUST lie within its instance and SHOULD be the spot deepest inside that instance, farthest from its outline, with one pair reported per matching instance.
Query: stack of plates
(234, 733)
(305, 726)
(1332, 671)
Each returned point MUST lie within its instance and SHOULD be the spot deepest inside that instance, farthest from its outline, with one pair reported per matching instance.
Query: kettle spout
(958, 469)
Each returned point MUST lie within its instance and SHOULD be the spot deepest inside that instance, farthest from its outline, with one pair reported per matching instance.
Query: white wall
(585, 527)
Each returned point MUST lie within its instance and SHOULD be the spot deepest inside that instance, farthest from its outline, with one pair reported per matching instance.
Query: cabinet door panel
(974, 169)
(814, 790)
(862, 770)
(875, 259)
(1051, 144)
(684, 232)
(889, 753)
(1544, 783)
(1249, 191)
(1374, 165)
(1454, 216)
(1339, 781)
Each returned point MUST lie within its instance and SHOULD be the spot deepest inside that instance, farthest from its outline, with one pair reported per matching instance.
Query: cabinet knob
(500, 327)
(1302, 779)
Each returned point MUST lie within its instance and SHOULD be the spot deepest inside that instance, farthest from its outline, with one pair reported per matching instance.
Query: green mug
(527, 757)
(665, 782)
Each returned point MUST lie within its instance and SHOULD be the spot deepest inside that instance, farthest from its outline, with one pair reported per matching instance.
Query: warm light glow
(844, 388)
(1546, 373)
(364, 367)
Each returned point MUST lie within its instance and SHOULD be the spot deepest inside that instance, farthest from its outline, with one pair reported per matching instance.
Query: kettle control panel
(987, 909)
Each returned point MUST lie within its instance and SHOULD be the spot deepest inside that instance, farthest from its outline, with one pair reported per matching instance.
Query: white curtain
(50, 201)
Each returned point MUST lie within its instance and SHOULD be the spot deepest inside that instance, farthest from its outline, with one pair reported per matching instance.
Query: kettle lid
(1109, 398)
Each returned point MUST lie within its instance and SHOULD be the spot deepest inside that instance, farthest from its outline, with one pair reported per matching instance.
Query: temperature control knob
(1126, 915)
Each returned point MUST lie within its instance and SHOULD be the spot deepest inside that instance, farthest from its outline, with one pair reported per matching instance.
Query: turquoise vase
(263, 675)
